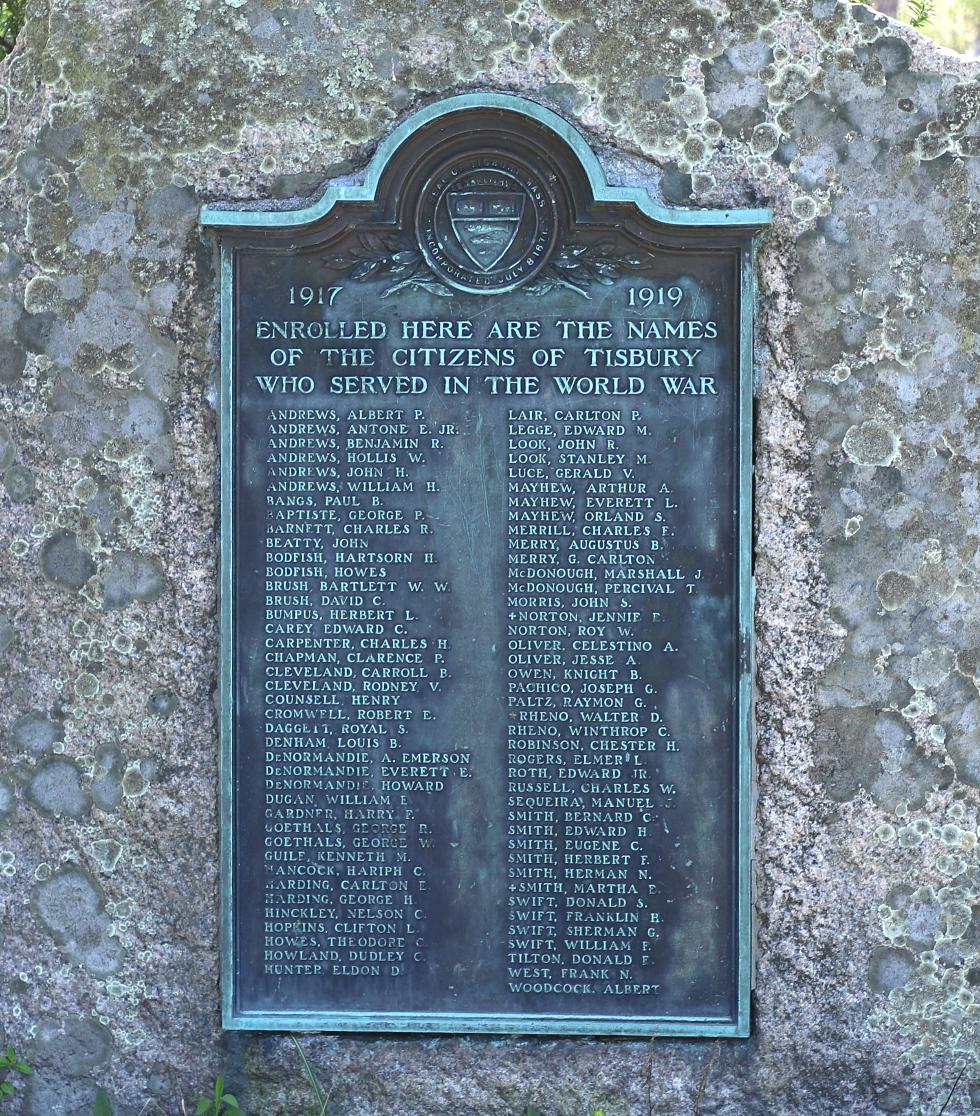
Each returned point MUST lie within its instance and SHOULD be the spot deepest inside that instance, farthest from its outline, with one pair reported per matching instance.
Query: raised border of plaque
(235, 228)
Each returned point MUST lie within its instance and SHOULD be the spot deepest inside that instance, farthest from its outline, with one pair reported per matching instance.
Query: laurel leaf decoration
(574, 267)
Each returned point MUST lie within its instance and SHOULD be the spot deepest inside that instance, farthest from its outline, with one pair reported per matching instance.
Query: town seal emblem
(485, 223)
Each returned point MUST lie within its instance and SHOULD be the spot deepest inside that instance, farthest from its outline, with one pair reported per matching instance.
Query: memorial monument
(487, 469)
(490, 584)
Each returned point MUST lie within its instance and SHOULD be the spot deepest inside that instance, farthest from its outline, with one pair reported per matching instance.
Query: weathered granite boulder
(119, 120)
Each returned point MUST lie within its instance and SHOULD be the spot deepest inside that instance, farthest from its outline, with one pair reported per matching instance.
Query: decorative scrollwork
(578, 266)
(391, 258)
(575, 267)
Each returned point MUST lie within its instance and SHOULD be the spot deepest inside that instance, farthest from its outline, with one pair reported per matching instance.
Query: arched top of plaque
(482, 193)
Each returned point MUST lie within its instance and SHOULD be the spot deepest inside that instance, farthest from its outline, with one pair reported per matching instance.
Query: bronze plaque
(486, 595)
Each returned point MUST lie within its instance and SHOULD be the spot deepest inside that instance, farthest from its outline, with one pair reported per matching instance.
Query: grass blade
(318, 1093)
(101, 1106)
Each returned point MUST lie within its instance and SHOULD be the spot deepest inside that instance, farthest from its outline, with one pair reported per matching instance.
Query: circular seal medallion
(485, 223)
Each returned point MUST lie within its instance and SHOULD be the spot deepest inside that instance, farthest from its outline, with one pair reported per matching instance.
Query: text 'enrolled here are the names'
(364, 423)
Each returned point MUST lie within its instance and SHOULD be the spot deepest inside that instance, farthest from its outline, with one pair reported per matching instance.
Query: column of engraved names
(347, 656)
(586, 553)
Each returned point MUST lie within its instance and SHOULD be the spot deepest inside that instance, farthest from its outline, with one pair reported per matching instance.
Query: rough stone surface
(864, 138)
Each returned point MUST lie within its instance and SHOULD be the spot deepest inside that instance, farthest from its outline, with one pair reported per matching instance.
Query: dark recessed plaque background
(486, 595)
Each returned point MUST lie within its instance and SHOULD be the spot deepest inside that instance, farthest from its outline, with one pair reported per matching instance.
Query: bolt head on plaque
(486, 223)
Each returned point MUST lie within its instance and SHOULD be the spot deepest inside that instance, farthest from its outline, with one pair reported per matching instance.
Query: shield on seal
(485, 222)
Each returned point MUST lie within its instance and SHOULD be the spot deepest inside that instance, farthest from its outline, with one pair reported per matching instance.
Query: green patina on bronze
(294, 228)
